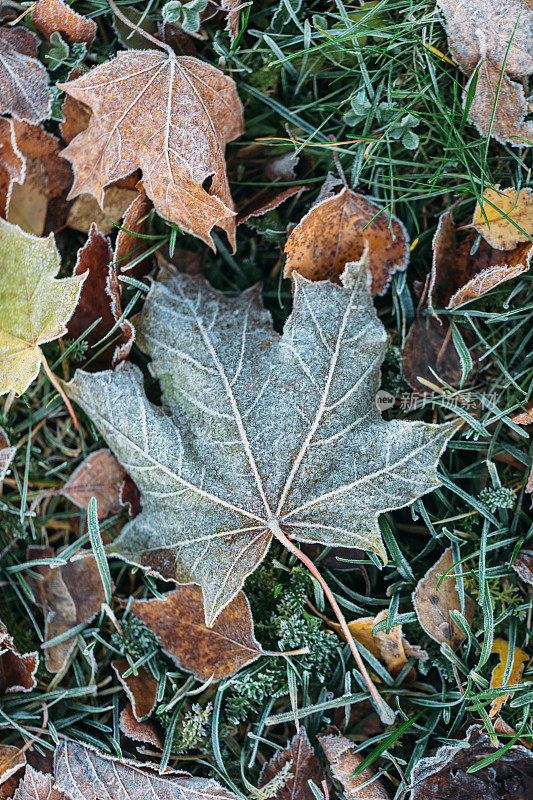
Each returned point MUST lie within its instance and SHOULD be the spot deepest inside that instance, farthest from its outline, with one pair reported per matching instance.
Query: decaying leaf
(179, 624)
(433, 602)
(392, 649)
(7, 453)
(100, 299)
(172, 118)
(100, 476)
(76, 115)
(69, 595)
(34, 305)
(83, 773)
(266, 200)
(85, 210)
(49, 16)
(11, 760)
(139, 731)
(12, 163)
(129, 243)
(302, 764)
(343, 761)
(336, 231)
(444, 776)
(17, 670)
(502, 210)
(23, 79)
(141, 689)
(523, 564)
(260, 435)
(39, 203)
(37, 785)
(520, 659)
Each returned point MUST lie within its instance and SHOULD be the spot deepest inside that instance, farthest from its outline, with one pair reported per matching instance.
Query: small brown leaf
(100, 299)
(100, 476)
(139, 731)
(129, 244)
(23, 79)
(76, 115)
(141, 689)
(37, 786)
(433, 603)
(85, 210)
(17, 670)
(444, 776)
(50, 16)
(11, 760)
(265, 201)
(12, 163)
(84, 773)
(69, 595)
(500, 208)
(426, 348)
(7, 453)
(520, 659)
(179, 623)
(489, 279)
(343, 762)
(303, 767)
(335, 232)
(523, 564)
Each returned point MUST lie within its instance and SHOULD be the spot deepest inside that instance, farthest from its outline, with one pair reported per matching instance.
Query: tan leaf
(343, 762)
(49, 16)
(520, 659)
(433, 603)
(12, 163)
(11, 760)
(84, 773)
(139, 731)
(17, 670)
(488, 29)
(523, 563)
(100, 299)
(179, 624)
(302, 764)
(100, 476)
(141, 689)
(389, 648)
(508, 125)
(129, 245)
(335, 232)
(498, 216)
(85, 210)
(37, 786)
(172, 118)
(7, 453)
(23, 79)
(69, 595)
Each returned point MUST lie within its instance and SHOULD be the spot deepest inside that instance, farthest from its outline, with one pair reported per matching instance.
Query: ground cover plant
(265, 461)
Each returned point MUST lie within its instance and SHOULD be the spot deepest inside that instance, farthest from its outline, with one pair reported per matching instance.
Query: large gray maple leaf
(258, 433)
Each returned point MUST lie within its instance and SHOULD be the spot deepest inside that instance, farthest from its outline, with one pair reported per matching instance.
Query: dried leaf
(17, 670)
(12, 163)
(444, 776)
(37, 786)
(69, 595)
(85, 210)
(523, 564)
(7, 453)
(494, 217)
(259, 434)
(303, 766)
(100, 476)
(49, 16)
(489, 279)
(76, 115)
(336, 230)
(139, 731)
(427, 347)
(28, 268)
(433, 603)
(343, 762)
(266, 200)
(129, 244)
(11, 760)
(141, 689)
(23, 79)
(87, 774)
(172, 118)
(179, 624)
(100, 299)
(520, 659)
(389, 648)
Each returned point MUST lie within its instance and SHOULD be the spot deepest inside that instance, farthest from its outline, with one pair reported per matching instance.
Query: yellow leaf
(34, 305)
(520, 659)
(505, 217)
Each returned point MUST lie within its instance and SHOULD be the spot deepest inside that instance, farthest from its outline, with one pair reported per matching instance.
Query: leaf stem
(386, 714)
(139, 30)
(55, 383)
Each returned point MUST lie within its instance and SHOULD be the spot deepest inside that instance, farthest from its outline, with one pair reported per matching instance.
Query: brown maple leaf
(12, 163)
(23, 79)
(298, 764)
(50, 16)
(172, 118)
